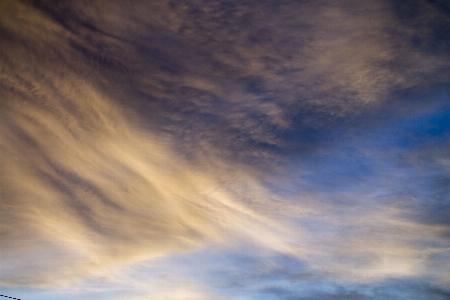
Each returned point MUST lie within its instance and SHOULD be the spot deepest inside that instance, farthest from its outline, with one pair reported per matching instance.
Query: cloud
(257, 81)
(82, 184)
(137, 132)
(85, 184)
(98, 188)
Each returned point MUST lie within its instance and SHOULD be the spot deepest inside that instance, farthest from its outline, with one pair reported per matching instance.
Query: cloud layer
(138, 140)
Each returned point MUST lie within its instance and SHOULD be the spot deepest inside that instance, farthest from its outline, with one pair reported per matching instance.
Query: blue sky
(234, 150)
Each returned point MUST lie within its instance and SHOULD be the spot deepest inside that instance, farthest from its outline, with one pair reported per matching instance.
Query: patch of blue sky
(391, 289)
(362, 157)
(26, 293)
(235, 273)
(418, 130)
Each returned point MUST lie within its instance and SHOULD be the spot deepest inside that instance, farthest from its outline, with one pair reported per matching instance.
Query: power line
(9, 297)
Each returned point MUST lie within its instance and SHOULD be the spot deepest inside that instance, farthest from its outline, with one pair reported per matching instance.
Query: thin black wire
(9, 297)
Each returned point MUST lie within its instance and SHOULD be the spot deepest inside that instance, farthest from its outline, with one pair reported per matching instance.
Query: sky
(225, 150)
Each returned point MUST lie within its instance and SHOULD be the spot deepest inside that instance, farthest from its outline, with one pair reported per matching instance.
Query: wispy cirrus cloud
(305, 134)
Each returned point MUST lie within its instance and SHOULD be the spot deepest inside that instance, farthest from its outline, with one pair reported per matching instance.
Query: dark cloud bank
(257, 79)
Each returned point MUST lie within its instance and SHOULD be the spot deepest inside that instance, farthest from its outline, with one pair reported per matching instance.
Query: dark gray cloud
(264, 77)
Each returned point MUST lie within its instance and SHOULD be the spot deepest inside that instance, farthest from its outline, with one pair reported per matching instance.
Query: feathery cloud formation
(134, 134)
